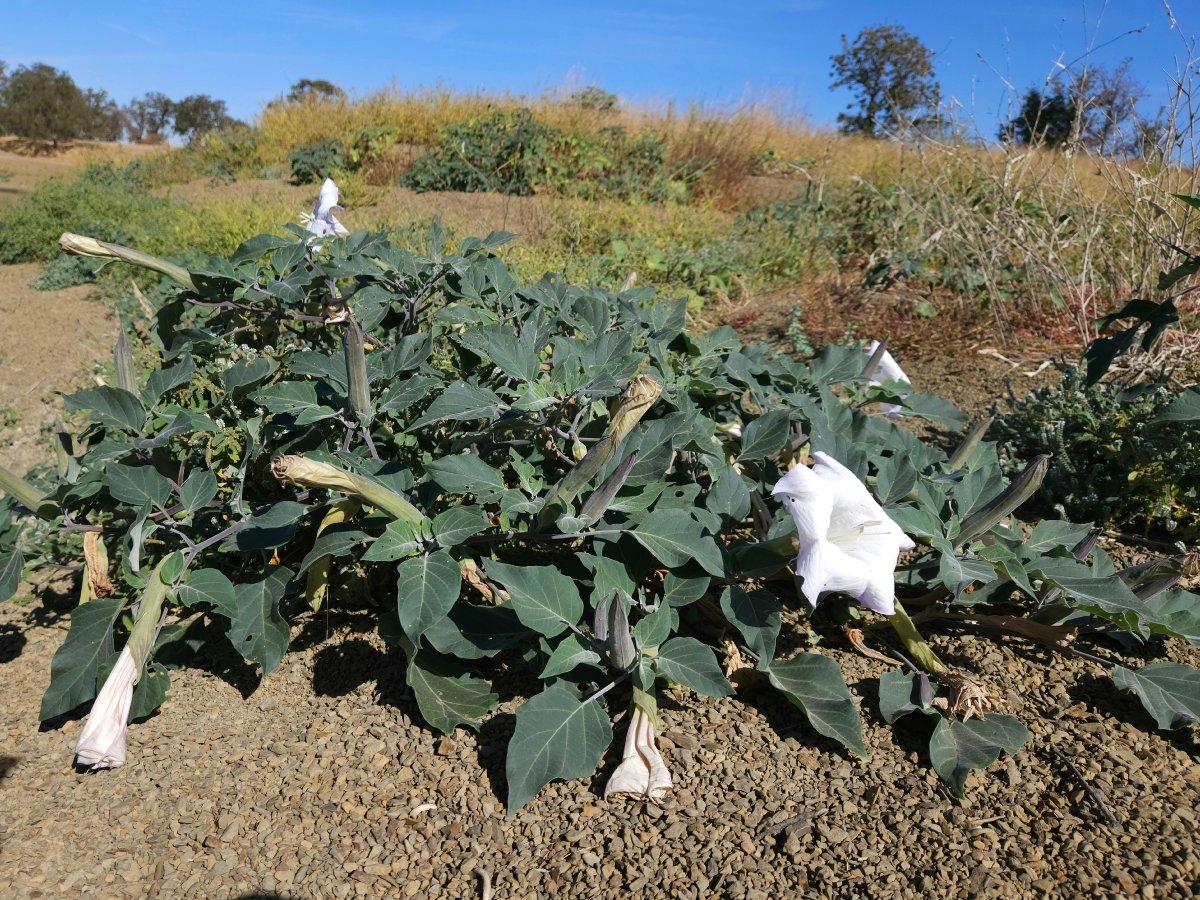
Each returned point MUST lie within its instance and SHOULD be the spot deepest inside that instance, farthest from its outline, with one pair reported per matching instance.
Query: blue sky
(717, 53)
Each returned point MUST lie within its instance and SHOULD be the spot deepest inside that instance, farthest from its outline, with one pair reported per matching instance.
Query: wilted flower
(847, 541)
(321, 221)
(886, 369)
(642, 773)
(102, 741)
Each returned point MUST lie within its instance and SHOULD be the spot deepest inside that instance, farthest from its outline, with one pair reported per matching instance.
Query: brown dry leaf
(972, 697)
(857, 639)
(96, 564)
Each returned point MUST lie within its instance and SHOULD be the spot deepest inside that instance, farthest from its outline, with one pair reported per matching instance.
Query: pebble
(314, 794)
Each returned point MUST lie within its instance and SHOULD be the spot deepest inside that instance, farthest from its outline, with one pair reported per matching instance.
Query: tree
(149, 117)
(43, 104)
(199, 114)
(1108, 102)
(1046, 119)
(891, 72)
(310, 89)
(1096, 110)
(107, 121)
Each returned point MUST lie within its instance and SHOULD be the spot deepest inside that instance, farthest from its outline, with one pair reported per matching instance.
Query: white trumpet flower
(642, 773)
(102, 742)
(847, 542)
(887, 369)
(321, 221)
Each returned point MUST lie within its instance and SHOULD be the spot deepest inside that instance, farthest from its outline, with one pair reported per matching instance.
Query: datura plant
(546, 475)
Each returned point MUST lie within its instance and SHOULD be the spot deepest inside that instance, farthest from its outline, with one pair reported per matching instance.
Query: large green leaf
(137, 485)
(446, 696)
(208, 586)
(466, 473)
(1184, 408)
(426, 588)
(472, 631)
(1109, 598)
(461, 402)
(815, 684)
(257, 629)
(272, 528)
(109, 406)
(545, 599)
(756, 614)
(570, 652)
(901, 694)
(766, 435)
(958, 747)
(676, 539)
(12, 563)
(399, 539)
(335, 542)
(454, 525)
(1169, 691)
(76, 664)
(556, 736)
(295, 398)
(687, 661)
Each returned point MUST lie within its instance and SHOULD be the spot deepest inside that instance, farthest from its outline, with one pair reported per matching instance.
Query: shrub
(1125, 458)
(317, 161)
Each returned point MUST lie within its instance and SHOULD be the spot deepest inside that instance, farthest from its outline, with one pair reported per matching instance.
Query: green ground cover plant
(544, 478)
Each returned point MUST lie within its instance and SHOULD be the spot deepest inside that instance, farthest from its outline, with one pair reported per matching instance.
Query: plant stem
(921, 652)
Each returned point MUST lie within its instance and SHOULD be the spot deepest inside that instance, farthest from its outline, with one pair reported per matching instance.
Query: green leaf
(570, 652)
(137, 485)
(815, 684)
(295, 398)
(688, 662)
(545, 599)
(426, 588)
(456, 524)
(682, 591)
(462, 402)
(399, 539)
(654, 628)
(257, 630)
(756, 614)
(198, 490)
(900, 694)
(958, 747)
(109, 406)
(76, 665)
(448, 697)
(161, 381)
(12, 563)
(766, 435)
(208, 586)
(1184, 408)
(472, 631)
(466, 473)
(150, 692)
(185, 423)
(1175, 613)
(272, 528)
(247, 373)
(1170, 692)
(676, 539)
(556, 736)
(1109, 598)
(335, 542)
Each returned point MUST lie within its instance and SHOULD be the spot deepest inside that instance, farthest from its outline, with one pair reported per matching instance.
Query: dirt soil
(320, 780)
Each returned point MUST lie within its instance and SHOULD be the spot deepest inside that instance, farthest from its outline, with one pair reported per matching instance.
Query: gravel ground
(321, 782)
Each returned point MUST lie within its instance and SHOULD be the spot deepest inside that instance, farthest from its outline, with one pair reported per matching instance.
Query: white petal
(327, 199)
(887, 369)
(102, 742)
(642, 773)
(810, 501)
